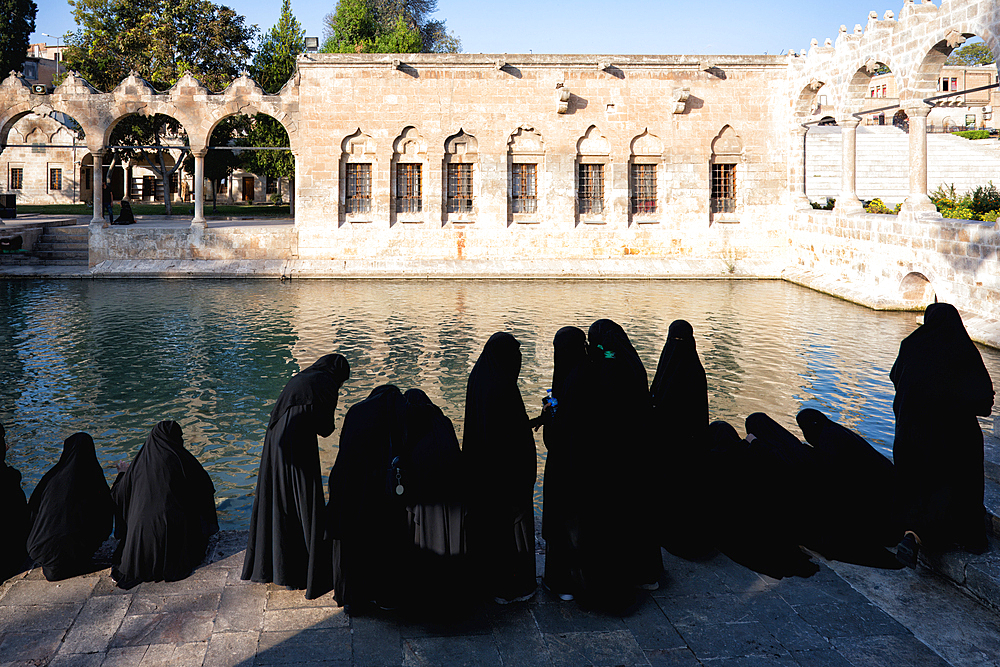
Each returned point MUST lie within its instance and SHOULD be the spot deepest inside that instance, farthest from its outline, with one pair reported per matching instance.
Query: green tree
(971, 55)
(274, 63)
(16, 27)
(386, 26)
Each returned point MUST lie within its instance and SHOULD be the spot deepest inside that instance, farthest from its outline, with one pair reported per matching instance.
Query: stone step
(59, 245)
(18, 258)
(48, 255)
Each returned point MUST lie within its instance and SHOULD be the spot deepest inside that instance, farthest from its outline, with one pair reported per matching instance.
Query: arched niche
(460, 164)
(645, 172)
(525, 164)
(916, 289)
(593, 157)
(724, 174)
(40, 162)
(358, 161)
(409, 169)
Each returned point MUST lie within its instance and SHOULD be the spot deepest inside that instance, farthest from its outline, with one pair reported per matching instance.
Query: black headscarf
(430, 454)
(499, 458)
(941, 385)
(15, 511)
(165, 511)
(71, 511)
(287, 543)
(366, 522)
(680, 389)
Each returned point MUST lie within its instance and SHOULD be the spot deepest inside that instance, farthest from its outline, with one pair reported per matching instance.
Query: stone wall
(278, 242)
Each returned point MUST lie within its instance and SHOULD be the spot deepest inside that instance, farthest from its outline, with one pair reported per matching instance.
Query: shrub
(828, 206)
(958, 213)
(985, 198)
(990, 216)
(973, 134)
(276, 198)
(878, 206)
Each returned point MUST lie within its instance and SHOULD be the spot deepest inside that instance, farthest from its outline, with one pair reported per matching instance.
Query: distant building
(965, 111)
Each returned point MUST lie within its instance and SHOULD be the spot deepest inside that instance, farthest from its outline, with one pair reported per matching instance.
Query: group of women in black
(630, 468)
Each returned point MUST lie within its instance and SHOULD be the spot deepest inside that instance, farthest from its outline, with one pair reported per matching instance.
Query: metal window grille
(408, 199)
(525, 194)
(460, 188)
(591, 193)
(55, 179)
(359, 188)
(16, 178)
(272, 185)
(644, 188)
(723, 188)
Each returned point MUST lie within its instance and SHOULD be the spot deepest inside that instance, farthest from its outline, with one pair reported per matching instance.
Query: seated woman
(15, 508)
(70, 511)
(125, 217)
(164, 511)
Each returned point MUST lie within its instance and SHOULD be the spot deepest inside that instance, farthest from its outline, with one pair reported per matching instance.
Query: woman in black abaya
(15, 512)
(366, 523)
(561, 491)
(499, 458)
(941, 385)
(287, 543)
(71, 511)
(679, 394)
(164, 511)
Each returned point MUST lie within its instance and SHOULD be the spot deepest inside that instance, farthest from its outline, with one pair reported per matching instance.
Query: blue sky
(587, 26)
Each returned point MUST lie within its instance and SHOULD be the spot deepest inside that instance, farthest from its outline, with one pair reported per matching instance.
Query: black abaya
(287, 543)
(71, 511)
(679, 395)
(15, 513)
(561, 489)
(365, 520)
(941, 385)
(164, 511)
(499, 458)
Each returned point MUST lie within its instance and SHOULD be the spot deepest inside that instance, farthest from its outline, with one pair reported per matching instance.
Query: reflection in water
(115, 357)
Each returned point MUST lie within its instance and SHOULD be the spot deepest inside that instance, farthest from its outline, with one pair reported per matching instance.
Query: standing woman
(679, 394)
(164, 511)
(941, 385)
(287, 543)
(500, 463)
(15, 511)
(71, 511)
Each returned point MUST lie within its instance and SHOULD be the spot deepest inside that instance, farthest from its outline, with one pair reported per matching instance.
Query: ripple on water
(114, 357)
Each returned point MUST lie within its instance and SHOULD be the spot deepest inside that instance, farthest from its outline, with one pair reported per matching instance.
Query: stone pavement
(708, 613)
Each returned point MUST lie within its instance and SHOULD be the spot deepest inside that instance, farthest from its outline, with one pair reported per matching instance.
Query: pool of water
(114, 357)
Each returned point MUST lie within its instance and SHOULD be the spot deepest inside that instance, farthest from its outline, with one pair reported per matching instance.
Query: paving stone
(731, 640)
(376, 641)
(823, 587)
(568, 617)
(30, 647)
(126, 656)
(241, 608)
(824, 657)
(281, 598)
(787, 626)
(304, 647)
(517, 638)
(477, 650)
(229, 649)
(38, 617)
(652, 629)
(24, 592)
(77, 660)
(106, 586)
(983, 580)
(700, 609)
(189, 626)
(755, 661)
(888, 650)
(859, 620)
(199, 582)
(96, 624)
(173, 655)
(672, 657)
(594, 648)
(476, 621)
(148, 603)
(276, 620)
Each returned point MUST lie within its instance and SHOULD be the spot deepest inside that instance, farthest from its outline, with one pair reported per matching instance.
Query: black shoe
(906, 551)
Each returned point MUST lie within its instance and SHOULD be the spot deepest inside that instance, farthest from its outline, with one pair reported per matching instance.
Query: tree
(16, 27)
(386, 26)
(274, 62)
(971, 55)
(220, 164)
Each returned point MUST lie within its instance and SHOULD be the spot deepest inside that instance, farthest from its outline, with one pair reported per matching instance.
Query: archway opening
(42, 159)
(151, 150)
(916, 289)
(249, 163)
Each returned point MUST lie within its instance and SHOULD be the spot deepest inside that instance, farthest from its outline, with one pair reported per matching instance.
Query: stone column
(797, 174)
(199, 187)
(98, 187)
(848, 201)
(918, 202)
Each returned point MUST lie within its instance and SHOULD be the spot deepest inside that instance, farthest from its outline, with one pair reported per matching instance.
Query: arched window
(727, 154)
(461, 155)
(593, 162)
(357, 170)
(644, 172)
(525, 153)
(409, 162)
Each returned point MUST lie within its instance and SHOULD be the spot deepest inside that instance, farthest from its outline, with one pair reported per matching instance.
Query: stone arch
(727, 144)
(936, 50)
(409, 142)
(525, 140)
(646, 144)
(805, 103)
(857, 83)
(593, 143)
(461, 143)
(915, 288)
(233, 109)
(901, 120)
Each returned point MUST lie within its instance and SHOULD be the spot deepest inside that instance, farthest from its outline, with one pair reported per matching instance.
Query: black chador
(164, 511)
(852, 493)
(679, 394)
(562, 493)
(618, 540)
(499, 458)
(941, 385)
(71, 511)
(287, 543)
(15, 512)
(367, 524)
(426, 476)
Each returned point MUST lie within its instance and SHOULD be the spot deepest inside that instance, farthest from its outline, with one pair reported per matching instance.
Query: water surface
(114, 357)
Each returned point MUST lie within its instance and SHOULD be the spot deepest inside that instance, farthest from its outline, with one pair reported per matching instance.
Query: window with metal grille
(358, 198)
(408, 199)
(272, 185)
(55, 179)
(723, 188)
(524, 192)
(460, 188)
(16, 178)
(591, 190)
(644, 188)
(87, 176)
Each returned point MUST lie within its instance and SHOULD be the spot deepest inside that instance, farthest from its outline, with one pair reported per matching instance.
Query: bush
(958, 213)
(828, 206)
(878, 206)
(973, 134)
(276, 199)
(990, 216)
(985, 198)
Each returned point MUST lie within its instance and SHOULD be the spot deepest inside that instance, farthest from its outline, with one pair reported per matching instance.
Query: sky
(669, 27)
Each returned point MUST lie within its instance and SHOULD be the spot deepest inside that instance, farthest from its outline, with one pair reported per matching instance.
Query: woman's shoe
(907, 549)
